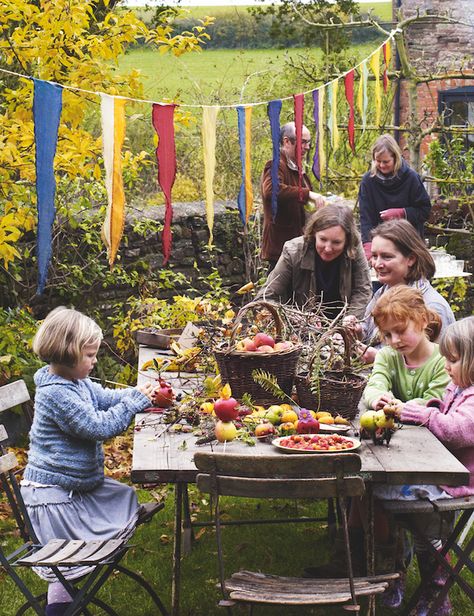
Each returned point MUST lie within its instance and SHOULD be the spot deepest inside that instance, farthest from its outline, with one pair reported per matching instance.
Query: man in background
(292, 203)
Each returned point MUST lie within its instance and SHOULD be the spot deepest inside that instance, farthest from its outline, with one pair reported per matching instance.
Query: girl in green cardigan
(410, 367)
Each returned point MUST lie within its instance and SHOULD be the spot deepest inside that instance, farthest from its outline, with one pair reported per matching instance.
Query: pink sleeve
(415, 413)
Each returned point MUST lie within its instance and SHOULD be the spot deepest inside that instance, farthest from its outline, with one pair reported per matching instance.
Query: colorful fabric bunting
(375, 66)
(349, 90)
(113, 135)
(316, 168)
(47, 107)
(208, 130)
(362, 98)
(332, 115)
(162, 119)
(298, 100)
(273, 111)
(245, 197)
(322, 151)
(387, 56)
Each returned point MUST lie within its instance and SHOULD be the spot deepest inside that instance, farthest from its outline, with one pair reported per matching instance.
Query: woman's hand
(146, 389)
(351, 322)
(318, 200)
(368, 353)
(393, 213)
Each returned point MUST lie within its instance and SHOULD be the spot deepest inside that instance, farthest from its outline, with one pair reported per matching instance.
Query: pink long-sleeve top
(452, 421)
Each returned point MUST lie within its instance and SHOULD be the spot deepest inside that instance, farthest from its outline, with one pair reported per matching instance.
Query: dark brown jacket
(293, 278)
(290, 218)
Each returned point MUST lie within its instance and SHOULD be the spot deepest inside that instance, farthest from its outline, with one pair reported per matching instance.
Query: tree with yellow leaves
(75, 43)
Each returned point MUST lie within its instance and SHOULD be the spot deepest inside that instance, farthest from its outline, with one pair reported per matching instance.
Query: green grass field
(224, 76)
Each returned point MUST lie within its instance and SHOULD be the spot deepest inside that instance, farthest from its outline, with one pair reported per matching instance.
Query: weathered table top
(415, 455)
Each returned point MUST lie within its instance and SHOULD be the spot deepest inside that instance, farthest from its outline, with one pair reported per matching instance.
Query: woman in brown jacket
(325, 266)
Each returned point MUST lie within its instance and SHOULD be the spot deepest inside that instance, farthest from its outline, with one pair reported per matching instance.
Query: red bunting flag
(299, 107)
(349, 88)
(162, 118)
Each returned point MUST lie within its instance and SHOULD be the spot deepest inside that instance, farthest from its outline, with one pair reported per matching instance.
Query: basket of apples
(239, 358)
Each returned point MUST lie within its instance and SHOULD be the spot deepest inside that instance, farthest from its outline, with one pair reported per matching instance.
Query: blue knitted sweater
(71, 420)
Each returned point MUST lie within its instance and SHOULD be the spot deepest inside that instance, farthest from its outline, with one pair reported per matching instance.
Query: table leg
(188, 535)
(370, 544)
(176, 579)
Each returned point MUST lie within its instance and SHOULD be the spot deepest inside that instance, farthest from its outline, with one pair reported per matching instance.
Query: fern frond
(269, 383)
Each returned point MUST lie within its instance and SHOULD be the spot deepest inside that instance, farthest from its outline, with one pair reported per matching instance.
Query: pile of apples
(276, 420)
(379, 425)
(263, 343)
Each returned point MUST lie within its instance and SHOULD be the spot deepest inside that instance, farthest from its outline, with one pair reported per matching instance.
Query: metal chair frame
(58, 554)
(315, 477)
(455, 542)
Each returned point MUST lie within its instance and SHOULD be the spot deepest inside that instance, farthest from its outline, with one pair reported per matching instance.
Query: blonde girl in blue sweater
(64, 488)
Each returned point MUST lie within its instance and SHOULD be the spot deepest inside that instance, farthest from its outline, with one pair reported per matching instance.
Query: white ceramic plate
(277, 443)
(334, 428)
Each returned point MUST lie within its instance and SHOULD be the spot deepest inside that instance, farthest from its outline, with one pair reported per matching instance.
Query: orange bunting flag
(349, 89)
(113, 134)
(162, 119)
(208, 130)
(375, 66)
(387, 56)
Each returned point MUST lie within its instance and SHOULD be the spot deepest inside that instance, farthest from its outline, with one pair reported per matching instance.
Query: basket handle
(347, 348)
(252, 305)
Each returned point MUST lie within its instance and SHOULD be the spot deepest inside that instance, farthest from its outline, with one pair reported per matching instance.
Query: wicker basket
(339, 390)
(236, 367)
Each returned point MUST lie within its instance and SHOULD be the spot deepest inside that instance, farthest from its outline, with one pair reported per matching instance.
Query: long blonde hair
(456, 343)
(62, 336)
(386, 143)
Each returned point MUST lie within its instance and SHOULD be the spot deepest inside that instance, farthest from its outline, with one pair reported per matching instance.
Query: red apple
(264, 429)
(263, 339)
(225, 431)
(226, 409)
(284, 345)
(249, 345)
(163, 395)
(265, 348)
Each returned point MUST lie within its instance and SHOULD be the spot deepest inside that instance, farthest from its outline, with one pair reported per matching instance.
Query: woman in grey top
(399, 256)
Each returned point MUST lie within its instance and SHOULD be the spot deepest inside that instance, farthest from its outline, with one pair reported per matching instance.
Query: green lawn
(282, 549)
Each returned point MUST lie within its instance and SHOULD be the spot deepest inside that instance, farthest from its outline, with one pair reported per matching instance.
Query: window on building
(457, 106)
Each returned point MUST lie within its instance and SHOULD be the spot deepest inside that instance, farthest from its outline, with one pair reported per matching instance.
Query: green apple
(367, 421)
(225, 431)
(382, 421)
(273, 414)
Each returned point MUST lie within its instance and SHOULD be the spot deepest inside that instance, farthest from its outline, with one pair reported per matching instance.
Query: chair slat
(106, 551)
(454, 504)
(67, 550)
(13, 394)
(8, 462)
(290, 466)
(87, 550)
(282, 488)
(414, 506)
(45, 552)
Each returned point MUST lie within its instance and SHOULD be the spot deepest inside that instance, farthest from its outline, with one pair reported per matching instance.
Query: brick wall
(437, 48)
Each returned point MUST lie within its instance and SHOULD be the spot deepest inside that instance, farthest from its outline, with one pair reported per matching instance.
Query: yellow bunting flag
(113, 134)
(332, 96)
(362, 100)
(375, 67)
(322, 152)
(208, 129)
(248, 163)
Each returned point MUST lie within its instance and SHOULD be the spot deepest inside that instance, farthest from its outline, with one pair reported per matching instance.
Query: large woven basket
(338, 391)
(236, 367)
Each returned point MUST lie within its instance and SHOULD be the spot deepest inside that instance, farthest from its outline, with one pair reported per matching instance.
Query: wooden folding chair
(102, 557)
(455, 542)
(309, 476)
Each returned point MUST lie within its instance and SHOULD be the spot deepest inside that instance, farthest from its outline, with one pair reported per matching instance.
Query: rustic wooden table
(415, 455)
